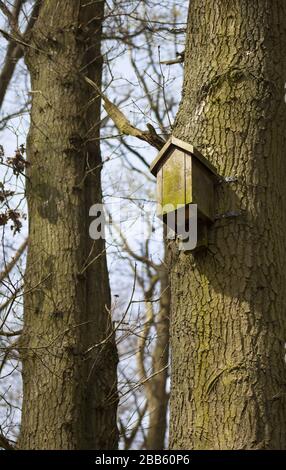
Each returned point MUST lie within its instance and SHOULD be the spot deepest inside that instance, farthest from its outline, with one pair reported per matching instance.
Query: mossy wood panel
(159, 191)
(174, 180)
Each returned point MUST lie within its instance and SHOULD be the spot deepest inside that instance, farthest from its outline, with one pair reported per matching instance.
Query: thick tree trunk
(70, 395)
(228, 301)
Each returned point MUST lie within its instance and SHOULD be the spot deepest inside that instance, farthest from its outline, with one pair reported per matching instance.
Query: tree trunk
(228, 301)
(70, 395)
(158, 396)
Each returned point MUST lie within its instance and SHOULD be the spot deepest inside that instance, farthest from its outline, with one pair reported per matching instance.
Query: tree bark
(70, 395)
(228, 301)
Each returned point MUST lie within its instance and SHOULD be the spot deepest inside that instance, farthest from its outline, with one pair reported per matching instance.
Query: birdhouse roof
(180, 144)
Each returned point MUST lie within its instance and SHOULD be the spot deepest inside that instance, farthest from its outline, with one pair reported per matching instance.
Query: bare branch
(5, 443)
(8, 268)
(10, 17)
(179, 59)
(9, 334)
(125, 126)
(15, 51)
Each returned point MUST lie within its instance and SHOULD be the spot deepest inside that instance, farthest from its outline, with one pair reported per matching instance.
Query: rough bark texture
(70, 396)
(228, 312)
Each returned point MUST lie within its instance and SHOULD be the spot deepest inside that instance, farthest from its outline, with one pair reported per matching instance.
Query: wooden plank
(174, 180)
(188, 179)
(156, 164)
(203, 189)
(159, 191)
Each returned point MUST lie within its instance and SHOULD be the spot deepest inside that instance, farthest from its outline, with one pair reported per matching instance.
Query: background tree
(67, 345)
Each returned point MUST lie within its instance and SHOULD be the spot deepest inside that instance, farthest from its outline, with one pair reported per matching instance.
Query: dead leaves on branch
(14, 217)
(18, 165)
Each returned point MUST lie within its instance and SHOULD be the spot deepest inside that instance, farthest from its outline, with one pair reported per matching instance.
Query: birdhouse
(184, 177)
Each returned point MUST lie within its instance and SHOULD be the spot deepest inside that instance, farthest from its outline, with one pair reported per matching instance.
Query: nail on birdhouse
(184, 177)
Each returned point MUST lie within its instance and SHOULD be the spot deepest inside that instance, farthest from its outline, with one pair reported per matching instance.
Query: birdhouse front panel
(173, 180)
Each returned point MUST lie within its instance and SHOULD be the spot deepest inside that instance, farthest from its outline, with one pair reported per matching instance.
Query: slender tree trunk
(228, 301)
(70, 395)
(158, 396)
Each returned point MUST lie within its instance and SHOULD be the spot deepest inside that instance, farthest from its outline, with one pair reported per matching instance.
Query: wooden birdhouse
(184, 177)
